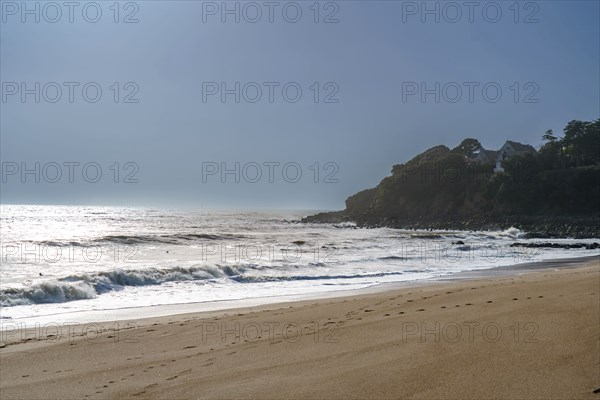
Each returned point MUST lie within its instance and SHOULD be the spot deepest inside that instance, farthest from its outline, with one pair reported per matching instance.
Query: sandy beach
(534, 335)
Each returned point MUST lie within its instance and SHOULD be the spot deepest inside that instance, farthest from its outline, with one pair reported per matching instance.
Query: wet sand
(534, 335)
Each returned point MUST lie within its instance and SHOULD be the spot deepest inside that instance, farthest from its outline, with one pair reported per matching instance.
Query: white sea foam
(58, 260)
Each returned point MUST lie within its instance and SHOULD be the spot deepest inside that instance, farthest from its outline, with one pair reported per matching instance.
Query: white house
(508, 150)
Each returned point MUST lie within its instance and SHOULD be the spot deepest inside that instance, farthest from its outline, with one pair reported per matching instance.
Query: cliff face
(440, 189)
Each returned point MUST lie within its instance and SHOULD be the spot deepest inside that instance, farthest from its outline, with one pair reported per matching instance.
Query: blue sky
(544, 59)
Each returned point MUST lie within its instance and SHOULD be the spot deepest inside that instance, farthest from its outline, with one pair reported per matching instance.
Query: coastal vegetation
(551, 192)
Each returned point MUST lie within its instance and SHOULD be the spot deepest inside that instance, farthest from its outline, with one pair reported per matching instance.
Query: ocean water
(67, 260)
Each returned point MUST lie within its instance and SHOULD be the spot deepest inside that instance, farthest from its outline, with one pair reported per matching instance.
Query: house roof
(489, 154)
(521, 148)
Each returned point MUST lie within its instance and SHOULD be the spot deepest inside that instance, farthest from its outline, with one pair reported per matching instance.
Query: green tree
(573, 143)
(551, 155)
(524, 190)
(468, 147)
(582, 142)
(589, 143)
(549, 136)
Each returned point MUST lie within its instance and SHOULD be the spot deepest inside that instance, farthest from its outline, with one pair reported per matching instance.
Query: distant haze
(388, 86)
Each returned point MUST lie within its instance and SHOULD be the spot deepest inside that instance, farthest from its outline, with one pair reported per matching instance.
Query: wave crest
(88, 286)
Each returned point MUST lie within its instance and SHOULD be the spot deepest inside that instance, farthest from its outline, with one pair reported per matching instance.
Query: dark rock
(587, 246)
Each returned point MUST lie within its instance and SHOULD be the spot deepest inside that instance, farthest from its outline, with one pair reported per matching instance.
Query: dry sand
(516, 336)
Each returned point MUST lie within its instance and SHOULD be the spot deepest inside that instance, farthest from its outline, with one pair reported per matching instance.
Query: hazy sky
(379, 83)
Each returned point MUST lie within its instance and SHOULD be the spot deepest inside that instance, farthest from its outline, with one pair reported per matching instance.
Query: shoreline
(399, 342)
(166, 310)
(535, 226)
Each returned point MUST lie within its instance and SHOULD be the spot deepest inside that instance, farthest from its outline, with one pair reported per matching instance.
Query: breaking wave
(81, 287)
